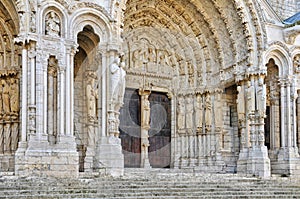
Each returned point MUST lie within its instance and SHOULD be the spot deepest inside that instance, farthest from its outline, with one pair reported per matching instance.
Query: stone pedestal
(44, 160)
(89, 159)
(288, 162)
(258, 162)
(109, 156)
(242, 161)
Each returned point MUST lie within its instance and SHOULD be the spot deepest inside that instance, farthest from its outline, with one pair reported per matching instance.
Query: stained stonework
(96, 86)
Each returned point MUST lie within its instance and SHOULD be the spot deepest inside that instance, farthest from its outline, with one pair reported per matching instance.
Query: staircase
(153, 183)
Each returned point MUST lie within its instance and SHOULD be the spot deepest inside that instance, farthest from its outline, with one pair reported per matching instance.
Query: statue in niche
(5, 96)
(117, 81)
(250, 97)
(52, 24)
(14, 96)
(199, 112)
(240, 103)
(181, 113)
(32, 22)
(261, 96)
(92, 95)
(189, 112)
(208, 111)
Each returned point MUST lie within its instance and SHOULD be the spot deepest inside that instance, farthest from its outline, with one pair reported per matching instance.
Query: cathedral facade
(102, 85)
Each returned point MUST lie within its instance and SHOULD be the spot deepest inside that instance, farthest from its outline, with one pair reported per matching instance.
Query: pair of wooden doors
(159, 132)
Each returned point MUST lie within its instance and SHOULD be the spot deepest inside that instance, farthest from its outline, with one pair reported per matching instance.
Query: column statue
(250, 97)
(181, 114)
(199, 112)
(240, 103)
(261, 96)
(91, 94)
(189, 113)
(5, 96)
(14, 96)
(208, 111)
(117, 82)
(218, 106)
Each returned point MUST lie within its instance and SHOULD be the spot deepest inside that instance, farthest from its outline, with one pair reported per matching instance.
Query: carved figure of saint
(146, 114)
(5, 96)
(181, 114)
(199, 112)
(137, 59)
(189, 113)
(240, 103)
(1, 100)
(14, 96)
(208, 111)
(117, 81)
(261, 96)
(218, 105)
(91, 93)
(52, 24)
(250, 97)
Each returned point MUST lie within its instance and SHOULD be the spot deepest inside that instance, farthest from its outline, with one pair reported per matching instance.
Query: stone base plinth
(288, 163)
(258, 162)
(242, 161)
(109, 157)
(89, 160)
(41, 159)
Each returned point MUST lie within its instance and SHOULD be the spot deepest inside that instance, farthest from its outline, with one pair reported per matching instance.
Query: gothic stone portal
(159, 132)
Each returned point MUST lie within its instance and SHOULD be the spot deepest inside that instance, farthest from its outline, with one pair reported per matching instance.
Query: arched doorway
(86, 62)
(10, 62)
(272, 121)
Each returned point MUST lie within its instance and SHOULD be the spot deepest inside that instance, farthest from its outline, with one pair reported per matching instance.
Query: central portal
(159, 149)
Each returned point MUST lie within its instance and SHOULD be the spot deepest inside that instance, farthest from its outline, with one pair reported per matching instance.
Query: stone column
(288, 160)
(109, 157)
(258, 162)
(145, 126)
(32, 105)
(288, 114)
(298, 118)
(24, 97)
(282, 113)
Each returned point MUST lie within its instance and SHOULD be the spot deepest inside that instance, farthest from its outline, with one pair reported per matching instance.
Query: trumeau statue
(146, 115)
